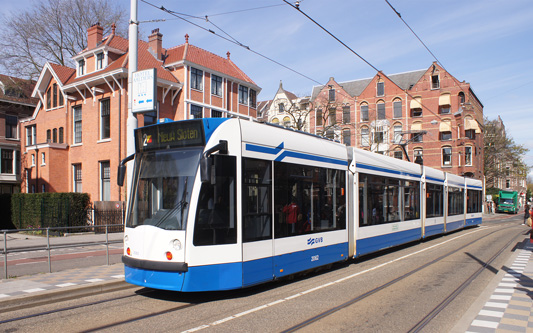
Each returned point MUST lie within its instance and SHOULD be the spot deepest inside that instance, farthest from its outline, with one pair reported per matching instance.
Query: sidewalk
(507, 305)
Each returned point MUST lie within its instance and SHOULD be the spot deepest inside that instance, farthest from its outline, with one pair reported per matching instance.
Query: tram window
(434, 200)
(386, 200)
(257, 199)
(455, 201)
(473, 201)
(308, 200)
(216, 213)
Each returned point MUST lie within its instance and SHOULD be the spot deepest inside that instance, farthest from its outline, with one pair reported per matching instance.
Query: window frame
(81, 67)
(380, 89)
(11, 127)
(105, 180)
(397, 108)
(446, 158)
(77, 121)
(197, 78)
(216, 85)
(243, 95)
(105, 120)
(364, 112)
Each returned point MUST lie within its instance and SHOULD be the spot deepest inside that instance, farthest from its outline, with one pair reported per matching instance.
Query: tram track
(437, 309)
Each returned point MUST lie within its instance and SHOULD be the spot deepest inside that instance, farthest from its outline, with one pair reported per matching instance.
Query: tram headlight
(176, 244)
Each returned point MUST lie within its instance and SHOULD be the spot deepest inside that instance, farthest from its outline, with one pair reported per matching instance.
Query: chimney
(94, 36)
(155, 42)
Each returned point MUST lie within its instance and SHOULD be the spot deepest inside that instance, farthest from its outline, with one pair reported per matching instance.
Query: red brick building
(436, 118)
(76, 138)
(15, 104)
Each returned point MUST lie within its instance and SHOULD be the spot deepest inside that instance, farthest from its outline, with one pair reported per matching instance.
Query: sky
(488, 43)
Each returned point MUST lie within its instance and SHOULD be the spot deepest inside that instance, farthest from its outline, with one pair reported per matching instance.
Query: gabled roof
(63, 73)
(18, 91)
(355, 87)
(195, 55)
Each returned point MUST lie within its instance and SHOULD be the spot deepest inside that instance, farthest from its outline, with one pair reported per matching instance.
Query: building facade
(286, 109)
(426, 116)
(15, 104)
(76, 138)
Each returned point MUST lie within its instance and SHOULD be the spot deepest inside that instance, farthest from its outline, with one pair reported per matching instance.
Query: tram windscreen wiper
(173, 212)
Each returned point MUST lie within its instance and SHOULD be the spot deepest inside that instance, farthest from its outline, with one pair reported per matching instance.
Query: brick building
(435, 117)
(15, 104)
(75, 139)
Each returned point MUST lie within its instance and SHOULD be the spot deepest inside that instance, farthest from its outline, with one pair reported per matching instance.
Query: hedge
(42, 210)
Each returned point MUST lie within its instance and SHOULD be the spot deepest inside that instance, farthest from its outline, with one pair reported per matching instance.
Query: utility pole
(131, 123)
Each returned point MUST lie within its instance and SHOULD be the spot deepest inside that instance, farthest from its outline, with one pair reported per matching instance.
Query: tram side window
(434, 200)
(257, 199)
(216, 213)
(386, 200)
(308, 199)
(473, 201)
(455, 201)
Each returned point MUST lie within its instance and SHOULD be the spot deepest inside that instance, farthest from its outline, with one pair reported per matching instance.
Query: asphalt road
(391, 292)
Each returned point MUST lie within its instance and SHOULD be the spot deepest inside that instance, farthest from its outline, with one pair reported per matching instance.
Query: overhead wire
(230, 39)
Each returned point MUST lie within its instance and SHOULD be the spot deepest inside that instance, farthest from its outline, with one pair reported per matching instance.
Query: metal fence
(54, 231)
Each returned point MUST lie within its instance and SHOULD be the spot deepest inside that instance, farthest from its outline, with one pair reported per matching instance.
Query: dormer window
(81, 67)
(435, 82)
(99, 61)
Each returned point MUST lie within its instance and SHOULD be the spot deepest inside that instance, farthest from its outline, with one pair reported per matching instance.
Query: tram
(220, 204)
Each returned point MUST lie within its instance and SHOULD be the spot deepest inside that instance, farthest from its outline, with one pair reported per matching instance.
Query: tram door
(257, 221)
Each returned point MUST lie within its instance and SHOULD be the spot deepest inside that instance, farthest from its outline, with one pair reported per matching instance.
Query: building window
(49, 98)
(418, 156)
(76, 170)
(243, 95)
(416, 112)
(444, 109)
(7, 161)
(417, 137)
(447, 156)
(445, 136)
(216, 85)
(286, 121)
(281, 108)
(253, 98)
(381, 111)
(398, 154)
(397, 108)
(275, 121)
(470, 134)
(196, 112)
(33, 160)
(43, 188)
(54, 95)
(11, 127)
(346, 114)
(105, 119)
(379, 135)
(43, 159)
(318, 117)
(99, 61)
(462, 97)
(364, 112)
(81, 67)
(48, 136)
(332, 116)
(77, 123)
(216, 114)
(365, 137)
(397, 134)
(507, 183)
(197, 78)
(435, 82)
(105, 179)
(380, 89)
(468, 156)
(347, 137)
(331, 95)
(60, 139)
(54, 135)
(150, 118)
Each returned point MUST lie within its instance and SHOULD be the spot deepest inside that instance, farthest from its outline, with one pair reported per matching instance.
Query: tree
(53, 30)
(502, 156)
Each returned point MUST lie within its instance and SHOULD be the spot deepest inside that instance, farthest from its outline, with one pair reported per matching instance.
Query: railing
(53, 231)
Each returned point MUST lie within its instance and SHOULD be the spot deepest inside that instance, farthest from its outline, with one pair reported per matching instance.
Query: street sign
(144, 90)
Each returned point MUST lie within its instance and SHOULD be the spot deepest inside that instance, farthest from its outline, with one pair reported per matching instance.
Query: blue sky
(488, 43)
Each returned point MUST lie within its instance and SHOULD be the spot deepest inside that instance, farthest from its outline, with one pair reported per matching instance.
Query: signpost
(144, 90)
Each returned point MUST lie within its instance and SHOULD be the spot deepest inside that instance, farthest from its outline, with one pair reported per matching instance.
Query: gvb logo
(313, 241)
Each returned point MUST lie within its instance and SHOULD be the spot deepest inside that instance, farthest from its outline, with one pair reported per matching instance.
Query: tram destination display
(170, 135)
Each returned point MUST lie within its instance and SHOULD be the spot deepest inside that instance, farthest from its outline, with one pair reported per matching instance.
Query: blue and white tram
(220, 204)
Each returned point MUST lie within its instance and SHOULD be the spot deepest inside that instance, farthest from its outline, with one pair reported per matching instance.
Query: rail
(53, 231)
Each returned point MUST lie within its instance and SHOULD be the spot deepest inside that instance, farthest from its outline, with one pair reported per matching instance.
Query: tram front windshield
(162, 190)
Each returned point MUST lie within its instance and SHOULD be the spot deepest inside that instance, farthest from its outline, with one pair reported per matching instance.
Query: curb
(64, 294)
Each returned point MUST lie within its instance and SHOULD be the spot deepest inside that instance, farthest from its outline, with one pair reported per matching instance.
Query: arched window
(397, 108)
(275, 121)
(286, 121)
(364, 111)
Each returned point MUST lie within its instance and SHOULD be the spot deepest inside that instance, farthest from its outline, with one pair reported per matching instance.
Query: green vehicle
(507, 202)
